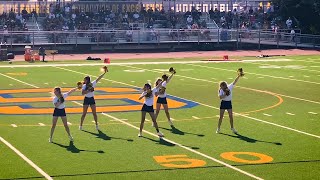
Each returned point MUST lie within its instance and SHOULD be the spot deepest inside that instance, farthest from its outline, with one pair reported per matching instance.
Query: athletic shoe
(71, 138)
(152, 124)
(171, 123)
(218, 131)
(160, 134)
(80, 128)
(140, 134)
(97, 128)
(234, 130)
(50, 140)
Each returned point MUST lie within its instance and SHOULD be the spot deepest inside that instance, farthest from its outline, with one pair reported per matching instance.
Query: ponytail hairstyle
(60, 96)
(223, 85)
(165, 77)
(157, 81)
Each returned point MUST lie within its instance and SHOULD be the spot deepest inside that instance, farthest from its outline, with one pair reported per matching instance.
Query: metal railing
(157, 36)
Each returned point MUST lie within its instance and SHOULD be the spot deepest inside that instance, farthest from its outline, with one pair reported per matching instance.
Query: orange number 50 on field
(178, 161)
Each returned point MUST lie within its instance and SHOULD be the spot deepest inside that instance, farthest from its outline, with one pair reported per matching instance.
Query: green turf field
(276, 107)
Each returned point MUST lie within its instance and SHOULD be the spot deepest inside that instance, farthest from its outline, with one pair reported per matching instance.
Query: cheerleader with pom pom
(225, 94)
(59, 111)
(88, 92)
(162, 95)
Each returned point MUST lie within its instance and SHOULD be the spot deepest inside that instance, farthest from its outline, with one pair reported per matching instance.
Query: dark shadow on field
(175, 130)
(164, 170)
(250, 140)
(162, 141)
(103, 136)
(73, 149)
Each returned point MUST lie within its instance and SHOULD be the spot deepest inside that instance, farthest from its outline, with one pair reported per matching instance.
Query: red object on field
(225, 57)
(107, 60)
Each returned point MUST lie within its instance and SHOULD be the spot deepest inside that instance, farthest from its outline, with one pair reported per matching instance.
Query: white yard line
(267, 114)
(204, 80)
(291, 114)
(37, 168)
(252, 118)
(276, 77)
(41, 124)
(19, 80)
(14, 125)
(139, 63)
(186, 148)
(312, 113)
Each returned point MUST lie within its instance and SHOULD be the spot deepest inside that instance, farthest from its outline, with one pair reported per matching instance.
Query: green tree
(305, 12)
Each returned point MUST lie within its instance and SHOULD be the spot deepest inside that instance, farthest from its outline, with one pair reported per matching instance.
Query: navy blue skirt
(162, 100)
(89, 101)
(226, 105)
(147, 108)
(59, 112)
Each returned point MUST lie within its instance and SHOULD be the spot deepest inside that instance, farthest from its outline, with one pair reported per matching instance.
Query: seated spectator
(129, 34)
(136, 17)
(34, 14)
(289, 23)
(292, 35)
(189, 20)
(173, 34)
(25, 14)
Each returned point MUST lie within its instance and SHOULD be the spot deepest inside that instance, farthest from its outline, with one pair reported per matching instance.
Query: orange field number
(179, 161)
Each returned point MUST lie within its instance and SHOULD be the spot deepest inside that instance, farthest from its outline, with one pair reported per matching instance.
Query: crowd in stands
(13, 21)
(68, 18)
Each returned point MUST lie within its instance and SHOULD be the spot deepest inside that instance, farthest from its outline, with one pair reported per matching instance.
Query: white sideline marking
(204, 80)
(291, 114)
(267, 114)
(19, 80)
(26, 159)
(69, 123)
(312, 113)
(187, 148)
(41, 124)
(276, 77)
(145, 63)
(195, 117)
(14, 125)
(243, 115)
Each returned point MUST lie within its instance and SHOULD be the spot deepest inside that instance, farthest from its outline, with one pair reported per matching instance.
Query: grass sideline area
(276, 107)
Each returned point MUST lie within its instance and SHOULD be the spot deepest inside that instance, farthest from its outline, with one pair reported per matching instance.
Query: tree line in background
(304, 13)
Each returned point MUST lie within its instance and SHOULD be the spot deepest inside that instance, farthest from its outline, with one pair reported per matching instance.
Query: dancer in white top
(59, 111)
(88, 92)
(225, 94)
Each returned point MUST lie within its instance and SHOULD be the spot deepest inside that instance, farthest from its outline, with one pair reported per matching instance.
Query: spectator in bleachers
(129, 34)
(34, 14)
(289, 23)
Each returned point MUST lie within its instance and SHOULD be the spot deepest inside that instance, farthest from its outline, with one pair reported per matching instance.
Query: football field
(276, 112)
